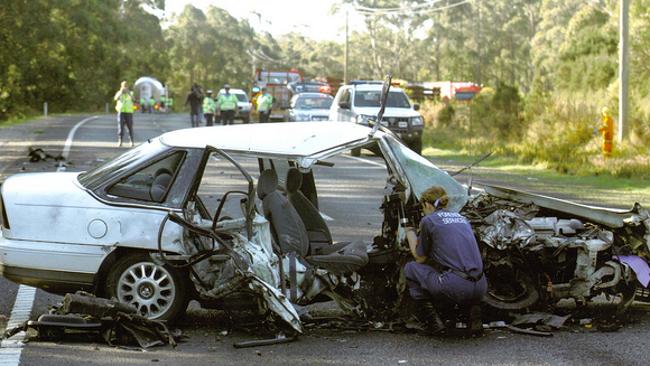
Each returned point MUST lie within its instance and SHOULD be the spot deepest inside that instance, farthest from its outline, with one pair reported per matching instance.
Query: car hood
(389, 112)
(612, 218)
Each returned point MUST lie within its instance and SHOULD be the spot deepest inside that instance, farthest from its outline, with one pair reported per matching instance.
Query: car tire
(355, 152)
(158, 291)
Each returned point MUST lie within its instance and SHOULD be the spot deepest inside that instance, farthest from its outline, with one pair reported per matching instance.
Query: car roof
(288, 139)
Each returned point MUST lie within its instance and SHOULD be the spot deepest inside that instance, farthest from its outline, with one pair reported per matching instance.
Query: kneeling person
(448, 263)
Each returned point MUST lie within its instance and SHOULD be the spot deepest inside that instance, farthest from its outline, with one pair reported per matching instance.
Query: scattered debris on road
(83, 315)
(37, 154)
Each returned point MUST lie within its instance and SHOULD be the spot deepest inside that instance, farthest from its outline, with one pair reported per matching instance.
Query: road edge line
(68, 141)
(11, 349)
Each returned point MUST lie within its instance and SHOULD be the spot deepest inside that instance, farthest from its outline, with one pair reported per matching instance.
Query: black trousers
(228, 117)
(208, 118)
(264, 116)
(195, 120)
(126, 119)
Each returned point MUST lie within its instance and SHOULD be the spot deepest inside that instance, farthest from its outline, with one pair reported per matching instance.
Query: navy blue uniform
(446, 238)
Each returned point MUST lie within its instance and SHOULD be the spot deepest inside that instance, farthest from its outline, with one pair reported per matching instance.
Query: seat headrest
(294, 180)
(267, 183)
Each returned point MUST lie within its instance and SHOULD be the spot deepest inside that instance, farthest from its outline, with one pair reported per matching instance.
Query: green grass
(594, 189)
(14, 121)
(17, 121)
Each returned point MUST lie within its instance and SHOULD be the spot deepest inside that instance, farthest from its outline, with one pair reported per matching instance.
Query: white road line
(11, 349)
(68, 141)
(365, 161)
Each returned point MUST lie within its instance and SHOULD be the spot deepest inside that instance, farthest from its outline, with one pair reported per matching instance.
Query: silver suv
(359, 101)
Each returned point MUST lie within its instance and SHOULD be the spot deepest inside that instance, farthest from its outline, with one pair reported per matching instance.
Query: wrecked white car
(180, 217)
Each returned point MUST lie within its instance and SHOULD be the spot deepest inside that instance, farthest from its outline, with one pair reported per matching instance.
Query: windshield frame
(299, 106)
(404, 101)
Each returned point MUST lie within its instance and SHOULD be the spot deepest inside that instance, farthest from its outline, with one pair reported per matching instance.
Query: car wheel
(355, 152)
(514, 293)
(157, 291)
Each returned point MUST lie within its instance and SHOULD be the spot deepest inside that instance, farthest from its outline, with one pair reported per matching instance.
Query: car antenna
(382, 105)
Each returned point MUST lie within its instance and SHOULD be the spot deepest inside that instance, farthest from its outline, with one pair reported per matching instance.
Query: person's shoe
(132, 143)
(428, 316)
(119, 142)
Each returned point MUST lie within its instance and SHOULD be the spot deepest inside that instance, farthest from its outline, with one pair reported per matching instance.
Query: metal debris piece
(639, 266)
(279, 339)
(514, 329)
(553, 321)
(116, 323)
(504, 228)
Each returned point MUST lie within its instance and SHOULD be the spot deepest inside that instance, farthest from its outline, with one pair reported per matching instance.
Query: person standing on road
(264, 105)
(607, 131)
(195, 99)
(124, 106)
(209, 107)
(227, 104)
(448, 264)
(143, 104)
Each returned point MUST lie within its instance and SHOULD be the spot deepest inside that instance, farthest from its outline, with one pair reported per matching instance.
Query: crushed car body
(182, 216)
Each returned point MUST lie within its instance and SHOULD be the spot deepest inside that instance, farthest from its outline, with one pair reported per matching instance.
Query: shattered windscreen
(422, 174)
(147, 151)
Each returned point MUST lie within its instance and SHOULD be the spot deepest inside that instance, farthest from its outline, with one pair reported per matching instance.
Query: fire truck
(276, 82)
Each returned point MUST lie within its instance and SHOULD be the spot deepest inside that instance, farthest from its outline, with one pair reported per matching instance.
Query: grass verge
(602, 190)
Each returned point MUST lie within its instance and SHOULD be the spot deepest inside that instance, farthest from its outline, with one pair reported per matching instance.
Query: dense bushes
(557, 131)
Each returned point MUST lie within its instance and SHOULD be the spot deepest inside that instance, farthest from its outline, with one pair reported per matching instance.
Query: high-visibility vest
(227, 102)
(125, 103)
(264, 102)
(209, 105)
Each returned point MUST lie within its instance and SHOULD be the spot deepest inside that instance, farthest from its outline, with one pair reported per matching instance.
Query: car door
(222, 190)
(345, 106)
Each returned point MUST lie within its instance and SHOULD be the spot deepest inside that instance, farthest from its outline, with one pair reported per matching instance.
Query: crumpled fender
(277, 302)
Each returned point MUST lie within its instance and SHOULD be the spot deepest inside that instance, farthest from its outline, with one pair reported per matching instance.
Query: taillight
(4, 221)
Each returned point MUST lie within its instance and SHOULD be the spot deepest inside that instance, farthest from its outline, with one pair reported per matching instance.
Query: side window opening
(346, 96)
(151, 183)
(222, 184)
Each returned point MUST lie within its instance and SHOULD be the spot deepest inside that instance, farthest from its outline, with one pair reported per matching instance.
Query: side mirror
(344, 105)
(416, 107)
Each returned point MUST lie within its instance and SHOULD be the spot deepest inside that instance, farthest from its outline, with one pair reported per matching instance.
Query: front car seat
(317, 229)
(286, 225)
(285, 222)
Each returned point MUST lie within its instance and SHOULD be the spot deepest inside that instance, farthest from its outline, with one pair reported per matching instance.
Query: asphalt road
(349, 193)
